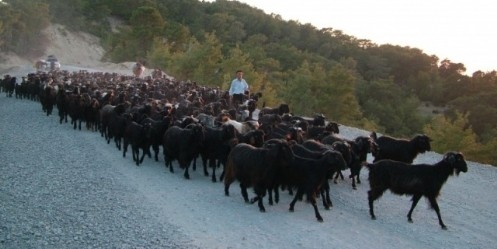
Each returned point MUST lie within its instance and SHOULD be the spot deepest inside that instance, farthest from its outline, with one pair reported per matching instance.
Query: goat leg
(143, 156)
(213, 165)
(434, 205)
(276, 194)
(270, 196)
(323, 197)
(244, 192)
(186, 174)
(298, 196)
(261, 205)
(415, 200)
(371, 207)
(316, 211)
(260, 192)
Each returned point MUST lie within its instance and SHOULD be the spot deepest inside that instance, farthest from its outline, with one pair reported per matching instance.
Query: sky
(198, 208)
(462, 31)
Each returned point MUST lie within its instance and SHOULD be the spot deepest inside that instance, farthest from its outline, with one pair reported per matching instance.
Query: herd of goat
(267, 149)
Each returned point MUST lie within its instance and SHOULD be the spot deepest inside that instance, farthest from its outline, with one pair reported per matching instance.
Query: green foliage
(122, 47)
(487, 152)
(200, 62)
(160, 55)
(23, 23)
(72, 15)
(406, 62)
(427, 86)
(146, 24)
(312, 89)
(205, 61)
(394, 110)
(227, 28)
(453, 135)
(482, 109)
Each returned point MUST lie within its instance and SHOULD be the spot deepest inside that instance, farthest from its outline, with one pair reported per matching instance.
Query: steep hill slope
(73, 49)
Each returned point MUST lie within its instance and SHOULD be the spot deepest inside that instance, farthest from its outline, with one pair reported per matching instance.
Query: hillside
(75, 50)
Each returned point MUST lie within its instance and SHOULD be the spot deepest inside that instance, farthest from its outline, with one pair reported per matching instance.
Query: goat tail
(229, 173)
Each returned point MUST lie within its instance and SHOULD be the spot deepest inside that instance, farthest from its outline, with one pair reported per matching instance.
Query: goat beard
(457, 171)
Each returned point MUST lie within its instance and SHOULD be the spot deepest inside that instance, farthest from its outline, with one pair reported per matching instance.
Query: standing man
(238, 88)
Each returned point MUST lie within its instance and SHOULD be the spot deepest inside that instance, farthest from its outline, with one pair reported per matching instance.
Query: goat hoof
(444, 227)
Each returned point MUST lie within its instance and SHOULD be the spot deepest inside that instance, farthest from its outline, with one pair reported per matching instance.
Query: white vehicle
(49, 64)
(52, 63)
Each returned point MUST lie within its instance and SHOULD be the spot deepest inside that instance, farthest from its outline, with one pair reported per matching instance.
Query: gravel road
(56, 191)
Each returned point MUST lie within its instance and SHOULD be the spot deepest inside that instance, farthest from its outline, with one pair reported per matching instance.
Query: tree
(208, 58)
(487, 153)
(146, 24)
(453, 135)
(160, 55)
(200, 62)
(227, 28)
(394, 110)
(23, 23)
(311, 89)
(427, 86)
(341, 99)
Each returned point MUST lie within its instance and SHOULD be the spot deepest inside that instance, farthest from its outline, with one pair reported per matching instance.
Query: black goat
(253, 137)
(340, 146)
(280, 110)
(315, 132)
(402, 150)
(216, 147)
(309, 175)
(62, 103)
(256, 167)
(107, 115)
(270, 120)
(76, 110)
(156, 132)
(416, 180)
(182, 144)
(360, 147)
(138, 136)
